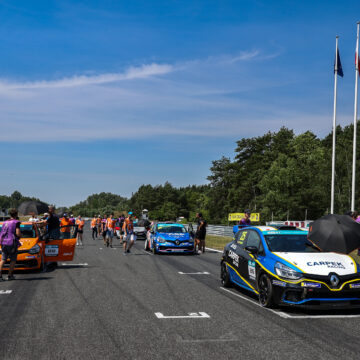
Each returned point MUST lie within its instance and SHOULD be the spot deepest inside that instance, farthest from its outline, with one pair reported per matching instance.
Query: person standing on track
(103, 228)
(10, 242)
(200, 233)
(98, 224)
(110, 230)
(129, 236)
(79, 237)
(94, 227)
(65, 227)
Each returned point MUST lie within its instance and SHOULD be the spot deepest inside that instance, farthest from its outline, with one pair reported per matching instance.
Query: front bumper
(168, 248)
(311, 293)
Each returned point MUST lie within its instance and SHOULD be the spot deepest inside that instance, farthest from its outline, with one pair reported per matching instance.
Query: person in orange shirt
(129, 235)
(79, 237)
(94, 227)
(110, 230)
(98, 223)
(65, 226)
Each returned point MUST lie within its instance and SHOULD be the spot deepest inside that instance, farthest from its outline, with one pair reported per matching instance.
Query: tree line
(279, 174)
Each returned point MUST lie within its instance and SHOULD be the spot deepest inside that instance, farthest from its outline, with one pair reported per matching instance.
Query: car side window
(253, 239)
(241, 236)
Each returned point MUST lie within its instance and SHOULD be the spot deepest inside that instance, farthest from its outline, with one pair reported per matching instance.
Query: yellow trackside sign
(254, 217)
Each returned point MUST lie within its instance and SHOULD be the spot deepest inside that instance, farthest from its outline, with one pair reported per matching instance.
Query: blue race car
(282, 267)
(170, 238)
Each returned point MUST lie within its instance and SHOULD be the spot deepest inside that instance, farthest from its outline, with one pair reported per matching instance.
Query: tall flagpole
(355, 119)
(334, 130)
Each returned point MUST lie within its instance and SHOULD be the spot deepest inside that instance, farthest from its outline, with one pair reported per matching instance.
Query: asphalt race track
(106, 305)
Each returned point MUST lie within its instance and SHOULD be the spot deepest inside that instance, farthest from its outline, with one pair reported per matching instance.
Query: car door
(248, 265)
(235, 250)
(58, 247)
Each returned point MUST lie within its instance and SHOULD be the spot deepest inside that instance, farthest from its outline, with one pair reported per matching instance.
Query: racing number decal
(242, 237)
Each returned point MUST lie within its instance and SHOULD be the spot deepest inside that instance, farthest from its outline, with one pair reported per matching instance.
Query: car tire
(266, 291)
(154, 250)
(225, 276)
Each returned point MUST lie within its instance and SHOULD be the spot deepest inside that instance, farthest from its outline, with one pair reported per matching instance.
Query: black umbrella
(32, 207)
(337, 233)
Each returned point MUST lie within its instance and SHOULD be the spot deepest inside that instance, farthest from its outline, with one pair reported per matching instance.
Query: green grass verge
(217, 242)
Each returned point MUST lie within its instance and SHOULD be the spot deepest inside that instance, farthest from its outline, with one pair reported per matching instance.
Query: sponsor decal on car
(329, 264)
(67, 254)
(311, 285)
(51, 250)
(234, 257)
(279, 283)
(355, 286)
(31, 257)
(252, 269)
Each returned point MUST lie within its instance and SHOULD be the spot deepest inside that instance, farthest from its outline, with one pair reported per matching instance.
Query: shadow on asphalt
(298, 310)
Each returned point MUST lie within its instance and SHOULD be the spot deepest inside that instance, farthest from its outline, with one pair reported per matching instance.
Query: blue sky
(108, 95)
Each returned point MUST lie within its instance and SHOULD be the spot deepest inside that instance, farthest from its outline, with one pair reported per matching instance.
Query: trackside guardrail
(218, 230)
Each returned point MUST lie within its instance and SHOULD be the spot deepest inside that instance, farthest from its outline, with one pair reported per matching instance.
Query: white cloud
(213, 97)
(132, 73)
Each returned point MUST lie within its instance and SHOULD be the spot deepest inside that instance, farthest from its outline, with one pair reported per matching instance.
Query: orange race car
(38, 246)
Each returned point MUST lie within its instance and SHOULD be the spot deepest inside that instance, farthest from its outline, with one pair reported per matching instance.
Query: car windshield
(169, 229)
(27, 231)
(289, 243)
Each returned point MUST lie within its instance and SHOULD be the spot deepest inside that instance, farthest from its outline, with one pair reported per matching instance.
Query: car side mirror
(252, 249)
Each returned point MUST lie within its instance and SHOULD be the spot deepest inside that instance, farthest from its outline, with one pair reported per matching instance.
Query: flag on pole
(358, 63)
(338, 63)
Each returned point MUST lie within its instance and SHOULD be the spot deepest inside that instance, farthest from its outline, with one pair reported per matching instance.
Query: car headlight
(286, 272)
(161, 240)
(35, 249)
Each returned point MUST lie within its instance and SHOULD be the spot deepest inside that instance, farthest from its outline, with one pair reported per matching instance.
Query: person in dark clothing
(53, 224)
(200, 234)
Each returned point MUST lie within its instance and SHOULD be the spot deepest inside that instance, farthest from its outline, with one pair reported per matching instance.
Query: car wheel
(265, 291)
(154, 250)
(225, 276)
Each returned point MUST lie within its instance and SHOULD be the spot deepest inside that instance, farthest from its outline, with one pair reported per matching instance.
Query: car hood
(320, 263)
(174, 236)
(27, 243)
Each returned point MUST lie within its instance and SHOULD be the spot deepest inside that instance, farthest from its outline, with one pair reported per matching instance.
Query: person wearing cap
(129, 236)
(245, 221)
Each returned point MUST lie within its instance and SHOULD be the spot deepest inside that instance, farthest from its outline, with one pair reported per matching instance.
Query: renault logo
(334, 280)
(177, 242)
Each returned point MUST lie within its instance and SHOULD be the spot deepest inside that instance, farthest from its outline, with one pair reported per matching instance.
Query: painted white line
(199, 315)
(219, 251)
(279, 313)
(5, 292)
(100, 248)
(195, 273)
(67, 264)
